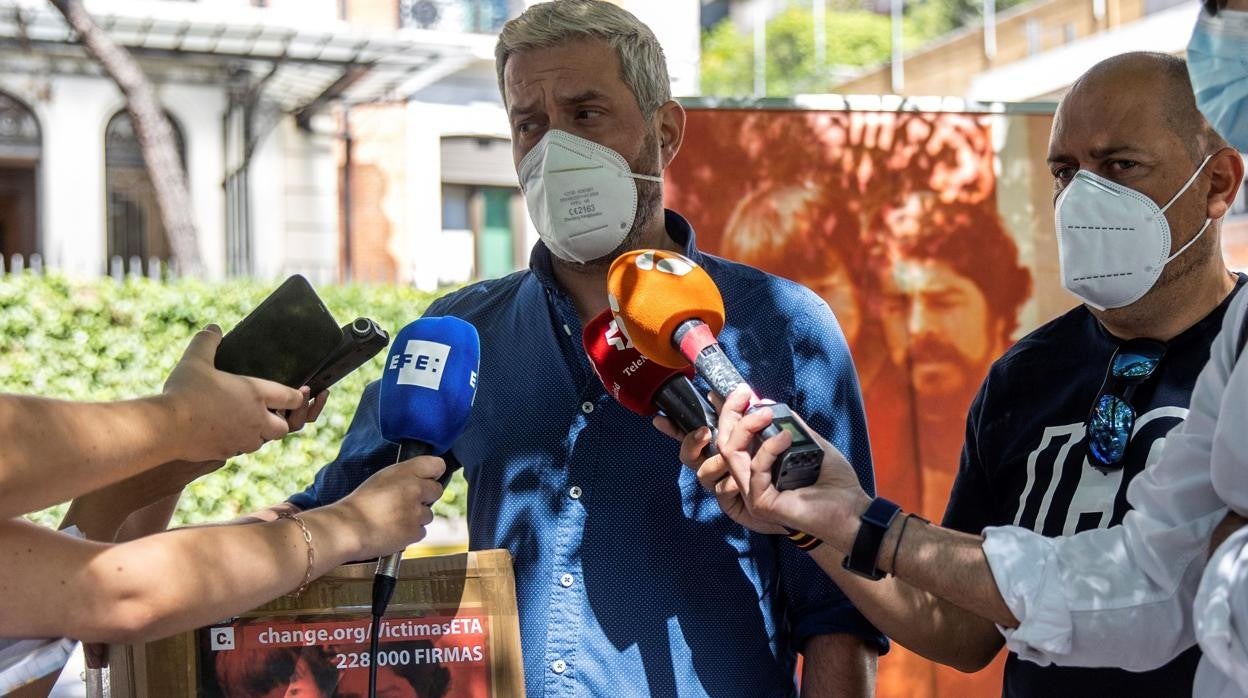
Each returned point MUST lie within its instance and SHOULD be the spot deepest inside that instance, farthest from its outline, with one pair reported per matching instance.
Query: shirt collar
(678, 229)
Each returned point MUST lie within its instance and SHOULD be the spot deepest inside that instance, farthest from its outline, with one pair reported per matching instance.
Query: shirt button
(567, 330)
(566, 580)
(574, 492)
(558, 666)
(587, 407)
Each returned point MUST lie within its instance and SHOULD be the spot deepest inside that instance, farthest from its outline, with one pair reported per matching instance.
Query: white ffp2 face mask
(580, 195)
(1112, 240)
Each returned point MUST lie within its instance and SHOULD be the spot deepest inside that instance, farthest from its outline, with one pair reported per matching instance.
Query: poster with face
(319, 656)
(930, 236)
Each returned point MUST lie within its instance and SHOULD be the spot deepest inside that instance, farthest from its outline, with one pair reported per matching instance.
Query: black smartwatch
(866, 550)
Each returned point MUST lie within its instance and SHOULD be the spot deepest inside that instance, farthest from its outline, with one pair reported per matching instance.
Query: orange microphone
(671, 310)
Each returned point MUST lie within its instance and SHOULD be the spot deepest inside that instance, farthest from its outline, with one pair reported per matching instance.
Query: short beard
(1173, 279)
(649, 201)
(1192, 259)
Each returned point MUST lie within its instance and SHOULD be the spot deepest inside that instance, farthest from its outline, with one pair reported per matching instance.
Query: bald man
(1040, 549)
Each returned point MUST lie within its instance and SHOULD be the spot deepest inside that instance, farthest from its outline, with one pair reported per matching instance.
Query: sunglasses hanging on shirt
(1112, 419)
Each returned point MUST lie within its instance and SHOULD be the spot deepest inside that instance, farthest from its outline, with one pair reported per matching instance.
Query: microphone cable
(383, 589)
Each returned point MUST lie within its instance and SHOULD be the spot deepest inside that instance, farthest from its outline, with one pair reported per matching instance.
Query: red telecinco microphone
(643, 385)
(671, 310)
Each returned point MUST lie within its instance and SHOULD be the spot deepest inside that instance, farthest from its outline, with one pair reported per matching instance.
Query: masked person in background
(1217, 58)
(627, 574)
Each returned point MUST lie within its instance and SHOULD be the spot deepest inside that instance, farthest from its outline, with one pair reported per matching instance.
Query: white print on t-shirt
(1097, 491)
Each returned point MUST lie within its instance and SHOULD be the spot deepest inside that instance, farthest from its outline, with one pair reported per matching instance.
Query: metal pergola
(300, 67)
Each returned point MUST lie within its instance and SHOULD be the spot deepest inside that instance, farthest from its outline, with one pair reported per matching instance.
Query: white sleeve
(1221, 610)
(1077, 597)
(1229, 460)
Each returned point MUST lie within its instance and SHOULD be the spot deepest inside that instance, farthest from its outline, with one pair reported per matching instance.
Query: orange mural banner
(896, 220)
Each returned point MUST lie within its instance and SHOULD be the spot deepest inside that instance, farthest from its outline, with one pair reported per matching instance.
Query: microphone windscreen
(629, 377)
(652, 292)
(429, 382)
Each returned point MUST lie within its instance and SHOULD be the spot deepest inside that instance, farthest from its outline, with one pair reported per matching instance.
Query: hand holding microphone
(391, 509)
(830, 508)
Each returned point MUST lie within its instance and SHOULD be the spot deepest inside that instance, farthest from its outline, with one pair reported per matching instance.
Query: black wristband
(865, 553)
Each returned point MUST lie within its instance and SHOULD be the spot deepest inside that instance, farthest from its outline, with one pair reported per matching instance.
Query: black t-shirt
(1025, 463)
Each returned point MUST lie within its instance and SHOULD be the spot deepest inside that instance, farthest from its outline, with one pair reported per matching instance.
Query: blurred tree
(151, 126)
(856, 38)
(947, 15)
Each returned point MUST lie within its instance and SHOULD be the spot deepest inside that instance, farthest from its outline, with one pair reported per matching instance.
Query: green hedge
(104, 340)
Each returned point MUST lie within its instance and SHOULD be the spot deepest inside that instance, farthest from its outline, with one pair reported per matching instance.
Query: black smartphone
(361, 340)
(286, 339)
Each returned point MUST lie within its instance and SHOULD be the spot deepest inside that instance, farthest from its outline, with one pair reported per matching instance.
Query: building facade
(341, 139)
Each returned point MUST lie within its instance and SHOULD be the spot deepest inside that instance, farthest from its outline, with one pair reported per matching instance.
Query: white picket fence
(120, 268)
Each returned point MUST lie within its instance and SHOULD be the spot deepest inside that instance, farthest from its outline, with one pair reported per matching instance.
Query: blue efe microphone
(428, 385)
(427, 389)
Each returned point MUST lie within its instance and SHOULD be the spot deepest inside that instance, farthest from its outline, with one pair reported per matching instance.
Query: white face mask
(1113, 240)
(581, 195)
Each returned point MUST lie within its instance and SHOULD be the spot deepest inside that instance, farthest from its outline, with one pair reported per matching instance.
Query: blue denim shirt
(630, 580)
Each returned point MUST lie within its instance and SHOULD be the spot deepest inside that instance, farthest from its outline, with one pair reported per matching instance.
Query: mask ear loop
(649, 178)
(1208, 221)
(1189, 182)
(1203, 228)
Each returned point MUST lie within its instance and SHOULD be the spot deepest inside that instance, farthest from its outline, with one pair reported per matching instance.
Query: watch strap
(865, 552)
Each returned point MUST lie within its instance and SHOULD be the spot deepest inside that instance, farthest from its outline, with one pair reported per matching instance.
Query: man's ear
(1226, 175)
(670, 124)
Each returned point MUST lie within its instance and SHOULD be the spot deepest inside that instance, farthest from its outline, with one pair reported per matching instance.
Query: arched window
(134, 225)
(20, 150)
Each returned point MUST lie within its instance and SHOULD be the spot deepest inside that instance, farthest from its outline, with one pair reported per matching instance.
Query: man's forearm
(946, 563)
(949, 564)
(838, 665)
(919, 621)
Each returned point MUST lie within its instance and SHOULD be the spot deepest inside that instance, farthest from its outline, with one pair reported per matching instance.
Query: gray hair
(642, 65)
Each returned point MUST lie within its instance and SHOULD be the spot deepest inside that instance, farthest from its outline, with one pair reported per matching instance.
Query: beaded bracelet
(307, 539)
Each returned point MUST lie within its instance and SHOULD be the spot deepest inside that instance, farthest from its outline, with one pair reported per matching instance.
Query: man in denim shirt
(630, 580)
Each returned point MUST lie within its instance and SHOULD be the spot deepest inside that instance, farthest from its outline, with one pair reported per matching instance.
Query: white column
(72, 173)
(198, 111)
